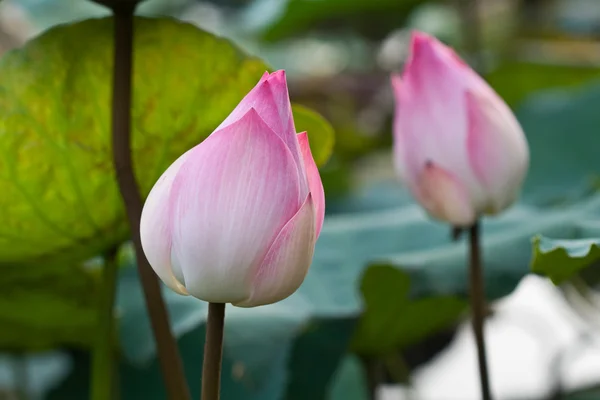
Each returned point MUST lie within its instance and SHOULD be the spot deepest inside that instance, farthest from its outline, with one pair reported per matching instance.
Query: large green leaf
(560, 260)
(59, 196)
(391, 320)
(561, 127)
(569, 121)
(60, 199)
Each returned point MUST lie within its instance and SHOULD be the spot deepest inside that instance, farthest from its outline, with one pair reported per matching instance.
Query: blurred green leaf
(335, 176)
(560, 260)
(515, 81)
(320, 133)
(566, 125)
(561, 126)
(371, 17)
(391, 320)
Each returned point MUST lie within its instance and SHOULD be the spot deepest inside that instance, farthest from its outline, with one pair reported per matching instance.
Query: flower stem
(478, 307)
(213, 352)
(103, 353)
(168, 354)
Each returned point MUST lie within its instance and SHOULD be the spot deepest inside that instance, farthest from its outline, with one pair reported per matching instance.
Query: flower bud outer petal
(277, 83)
(444, 196)
(279, 89)
(231, 198)
(315, 184)
(270, 99)
(155, 228)
(286, 264)
(497, 148)
(264, 77)
(261, 99)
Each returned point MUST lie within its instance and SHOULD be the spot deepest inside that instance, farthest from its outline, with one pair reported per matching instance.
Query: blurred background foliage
(387, 290)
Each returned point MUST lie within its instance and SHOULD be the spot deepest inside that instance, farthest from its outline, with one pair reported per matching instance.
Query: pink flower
(235, 219)
(457, 146)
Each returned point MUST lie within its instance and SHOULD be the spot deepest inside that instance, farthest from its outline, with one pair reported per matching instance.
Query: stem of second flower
(478, 307)
(213, 352)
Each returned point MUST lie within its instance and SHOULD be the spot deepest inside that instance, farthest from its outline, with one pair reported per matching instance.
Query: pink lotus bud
(235, 219)
(457, 146)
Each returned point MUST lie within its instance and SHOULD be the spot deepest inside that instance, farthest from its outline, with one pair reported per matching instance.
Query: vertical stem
(103, 353)
(168, 354)
(213, 352)
(478, 308)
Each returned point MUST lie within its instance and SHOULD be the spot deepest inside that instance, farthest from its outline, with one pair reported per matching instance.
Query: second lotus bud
(457, 145)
